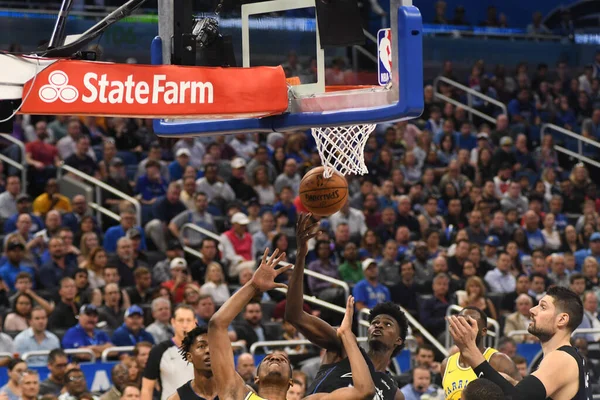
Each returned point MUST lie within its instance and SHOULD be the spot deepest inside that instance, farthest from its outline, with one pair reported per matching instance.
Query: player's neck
(558, 340)
(380, 359)
(272, 392)
(203, 385)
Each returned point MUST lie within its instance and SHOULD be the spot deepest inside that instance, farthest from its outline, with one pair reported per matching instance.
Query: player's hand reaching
(264, 277)
(305, 230)
(464, 332)
(346, 325)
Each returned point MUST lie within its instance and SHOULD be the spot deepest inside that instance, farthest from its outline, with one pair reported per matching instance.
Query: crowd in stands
(453, 211)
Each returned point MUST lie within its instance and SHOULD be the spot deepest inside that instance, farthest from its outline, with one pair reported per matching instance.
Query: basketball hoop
(341, 148)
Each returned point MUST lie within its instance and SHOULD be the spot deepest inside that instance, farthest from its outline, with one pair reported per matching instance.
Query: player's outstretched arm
(362, 387)
(230, 386)
(556, 371)
(313, 328)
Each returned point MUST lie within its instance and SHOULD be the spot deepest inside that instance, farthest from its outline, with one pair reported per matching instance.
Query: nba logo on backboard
(384, 47)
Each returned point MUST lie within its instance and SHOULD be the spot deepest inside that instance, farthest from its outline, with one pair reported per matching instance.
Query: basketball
(322, 196)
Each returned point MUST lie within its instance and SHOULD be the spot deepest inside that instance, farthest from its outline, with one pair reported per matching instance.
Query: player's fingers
(273, 256)
(276, 261)
(264, 257)
(284, 268)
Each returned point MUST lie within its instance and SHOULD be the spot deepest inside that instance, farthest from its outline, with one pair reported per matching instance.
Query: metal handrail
(416, 325)
(7, 355)
(115, 349)
(23, 165)
(101, 185)
(470, 94)
(578, 156)
(567, 132)
(495, 334)
(203, 231)
(239, 345)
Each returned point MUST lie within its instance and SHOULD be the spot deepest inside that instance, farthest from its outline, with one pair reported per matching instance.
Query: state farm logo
(100, 89)
(58, 88)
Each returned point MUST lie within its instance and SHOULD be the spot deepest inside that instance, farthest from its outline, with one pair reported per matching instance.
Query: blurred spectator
(215, 284)
(245, 367)
(590, 317)
(64, 315)
(154, 154)
(67, 145)
(16, 368)
(420, 384)
(474, 295)
(119, 375)
(160, 329)
(237, 242)
(141, 292)
(500, 280)
(18, 319)
(8, 198)
(51, 199)
(179, 279)
(81, 160)
(440, 13)
(85, 335)
(288, 178)
(177, 167)
(111, 311)
(215, 189)
(520, 319)
(58, 266)
(433, 310)
(114, 233)
(536, 27)
(251, 330)
(198, 216)
(14, 265)
(150, 186)
(126, 261)
(36, 337)
(57, 364)
(80, 209)
(286, 205)
(75, 385)
(132, 331)
(23, 207)
(164, 209)
(369, 292)
(244, 192)
(351, 269)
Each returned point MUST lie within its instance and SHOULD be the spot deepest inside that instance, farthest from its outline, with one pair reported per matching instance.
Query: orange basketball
(321, 196)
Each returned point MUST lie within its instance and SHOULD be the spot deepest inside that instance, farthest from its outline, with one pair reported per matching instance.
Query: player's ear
(484, 331)
(563, 319)
(188, 357)
(256, 380)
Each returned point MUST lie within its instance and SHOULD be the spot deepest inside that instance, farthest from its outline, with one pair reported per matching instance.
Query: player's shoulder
(559, 360)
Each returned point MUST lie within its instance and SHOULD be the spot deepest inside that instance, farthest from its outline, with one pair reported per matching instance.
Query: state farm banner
(94, 88)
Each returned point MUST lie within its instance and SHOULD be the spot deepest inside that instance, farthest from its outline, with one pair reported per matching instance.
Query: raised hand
(264, 277)
(346, 325)
(305, 230)
(464, 332)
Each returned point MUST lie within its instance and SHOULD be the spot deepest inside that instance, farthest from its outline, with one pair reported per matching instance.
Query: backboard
(315, 103)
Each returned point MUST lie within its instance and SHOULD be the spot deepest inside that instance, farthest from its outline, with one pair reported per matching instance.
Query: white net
(342, 148)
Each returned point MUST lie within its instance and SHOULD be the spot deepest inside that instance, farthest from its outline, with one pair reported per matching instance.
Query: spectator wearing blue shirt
(420, 384)
(164, 209)
(24, 207)
(84, 335)
(592, 251)
(57, 267)
(177, 167)
(15, 251)
(114, 233)
(36, 337)
(151, 185)
(465, 138)
(132, 331)
(535, 238)
(369, 292)
(286, 205)
(522, 109)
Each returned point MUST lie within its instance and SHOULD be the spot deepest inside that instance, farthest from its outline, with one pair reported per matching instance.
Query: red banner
(94, 88)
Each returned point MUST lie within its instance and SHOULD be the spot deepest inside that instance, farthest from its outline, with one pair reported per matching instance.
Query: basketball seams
(327, 188)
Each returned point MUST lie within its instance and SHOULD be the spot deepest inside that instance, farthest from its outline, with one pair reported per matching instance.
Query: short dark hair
(394, 311)
(567, 301)
(183, 307)
(13, 363)
(483, 389)
(536, 275)
(575, 277)
(482, 315)
(24, 275)
(426, 347)
(138, 345)
(190, 338)
(54, 354)
(519, 360)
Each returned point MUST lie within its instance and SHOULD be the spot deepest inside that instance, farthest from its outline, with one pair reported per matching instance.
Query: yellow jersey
(456, 378)
(253, 396)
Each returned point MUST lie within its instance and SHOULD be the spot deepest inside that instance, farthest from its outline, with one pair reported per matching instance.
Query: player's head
(274, 370)
(481, 319)
(388, 327)
(560, 310)
(482, 389)
(194, 349)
